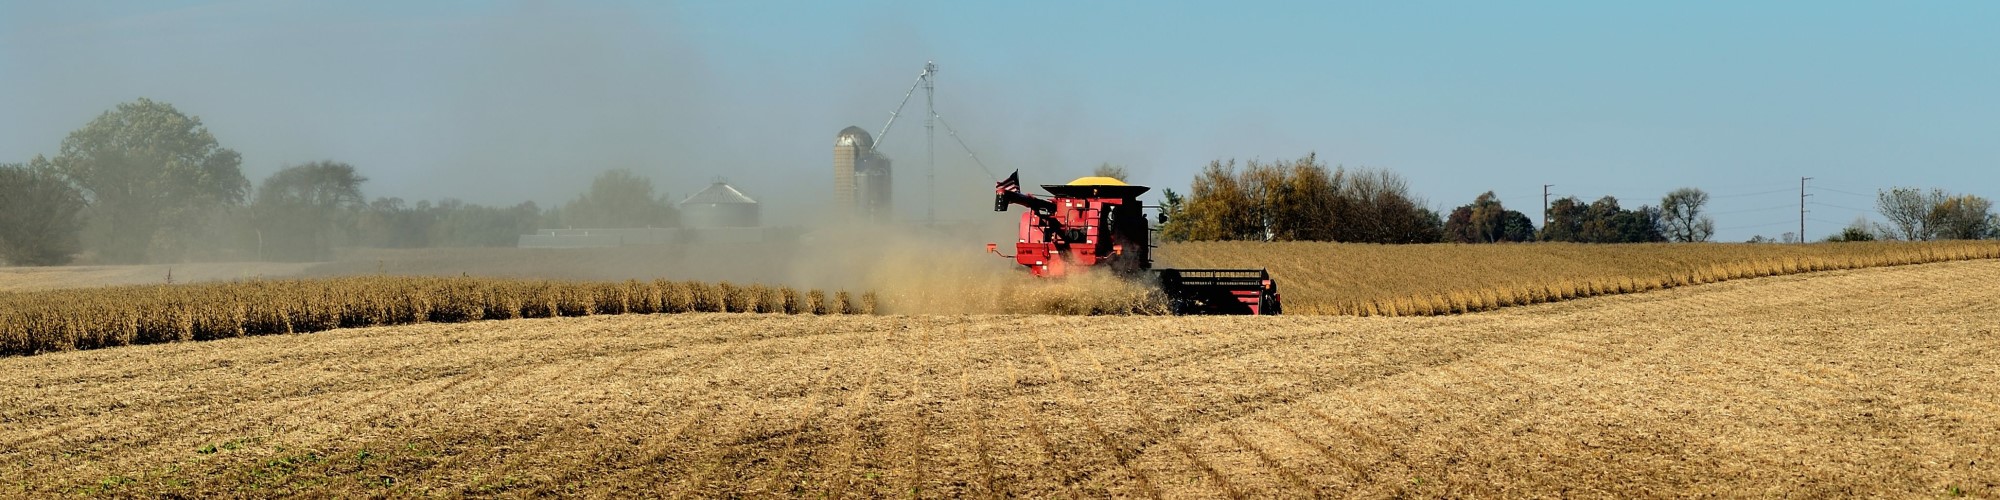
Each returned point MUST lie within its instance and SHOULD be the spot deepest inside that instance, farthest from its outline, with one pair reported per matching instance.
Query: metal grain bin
(721, 205)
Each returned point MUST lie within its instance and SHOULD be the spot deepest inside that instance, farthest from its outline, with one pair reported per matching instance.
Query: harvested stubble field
(1423, 280)
(1834, 384)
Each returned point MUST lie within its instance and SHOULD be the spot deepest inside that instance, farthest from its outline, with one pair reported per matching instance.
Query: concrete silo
(721, 205)
(861, 177)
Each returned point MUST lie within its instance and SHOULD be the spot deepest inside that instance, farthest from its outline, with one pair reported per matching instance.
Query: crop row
(1405, 280)
(70, 319)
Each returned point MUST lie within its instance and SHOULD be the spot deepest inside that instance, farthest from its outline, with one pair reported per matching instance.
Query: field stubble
(1845, 383)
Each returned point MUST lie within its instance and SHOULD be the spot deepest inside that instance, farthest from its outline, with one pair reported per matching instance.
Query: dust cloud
(911, 269)
(939, 272)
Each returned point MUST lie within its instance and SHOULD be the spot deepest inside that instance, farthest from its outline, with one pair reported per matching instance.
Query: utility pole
(1802, 209)
(1545, 206)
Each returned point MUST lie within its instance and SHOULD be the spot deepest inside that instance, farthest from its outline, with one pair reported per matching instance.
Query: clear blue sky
(500, 102)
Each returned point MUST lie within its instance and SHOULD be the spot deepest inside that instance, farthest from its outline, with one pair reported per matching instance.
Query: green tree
(1486, 220)
(40, 216)
(299, 210)
(1641, 225)
(620, 198)
(393, 223)
(1219, 207)
(152, 174)
(1858, 231)
(1602, 221)
(1516, 226)
(1962, 217)
(1171, 208)
(460, 224)
(1303, 201)
(1566, 216)
(1681, 216)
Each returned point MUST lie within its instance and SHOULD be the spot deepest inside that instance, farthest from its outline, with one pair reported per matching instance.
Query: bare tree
(1910, 213)
(1681, 216)
(1106, 169)
(1377, 207)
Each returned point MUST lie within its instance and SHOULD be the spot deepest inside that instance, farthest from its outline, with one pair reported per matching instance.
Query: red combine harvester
(1098, 222)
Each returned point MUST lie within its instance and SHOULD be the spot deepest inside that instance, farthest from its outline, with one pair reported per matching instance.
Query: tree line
(144, 182)
(1298, 200)
(1925, 215)
(1305, 200)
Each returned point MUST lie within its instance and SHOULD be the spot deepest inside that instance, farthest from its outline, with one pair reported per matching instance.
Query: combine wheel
(1269, 304)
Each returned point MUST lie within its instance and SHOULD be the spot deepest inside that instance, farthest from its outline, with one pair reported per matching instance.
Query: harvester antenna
(929, 79)
(882, 136)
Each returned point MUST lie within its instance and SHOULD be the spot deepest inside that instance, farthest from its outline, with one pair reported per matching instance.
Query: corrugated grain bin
(720, 206)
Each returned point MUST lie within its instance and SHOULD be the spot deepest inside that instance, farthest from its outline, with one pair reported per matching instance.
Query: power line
(1851, 193)
(1765, 209)
(1740, 195)
(1829, 205)
(1622, 199)
(1780, 223)
(968, 149)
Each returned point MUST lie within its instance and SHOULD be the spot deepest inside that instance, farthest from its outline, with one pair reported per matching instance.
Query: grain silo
(861, 176)
(721, 205)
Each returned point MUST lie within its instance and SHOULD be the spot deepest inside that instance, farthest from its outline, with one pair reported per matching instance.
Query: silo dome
(721, 205)
(856, 137)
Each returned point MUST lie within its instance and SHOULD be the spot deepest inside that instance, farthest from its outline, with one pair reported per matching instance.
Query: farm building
(861, 176)
(721, 205)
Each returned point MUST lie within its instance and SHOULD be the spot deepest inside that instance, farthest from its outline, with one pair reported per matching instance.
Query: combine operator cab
(1099, 222)
(1092, 222)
